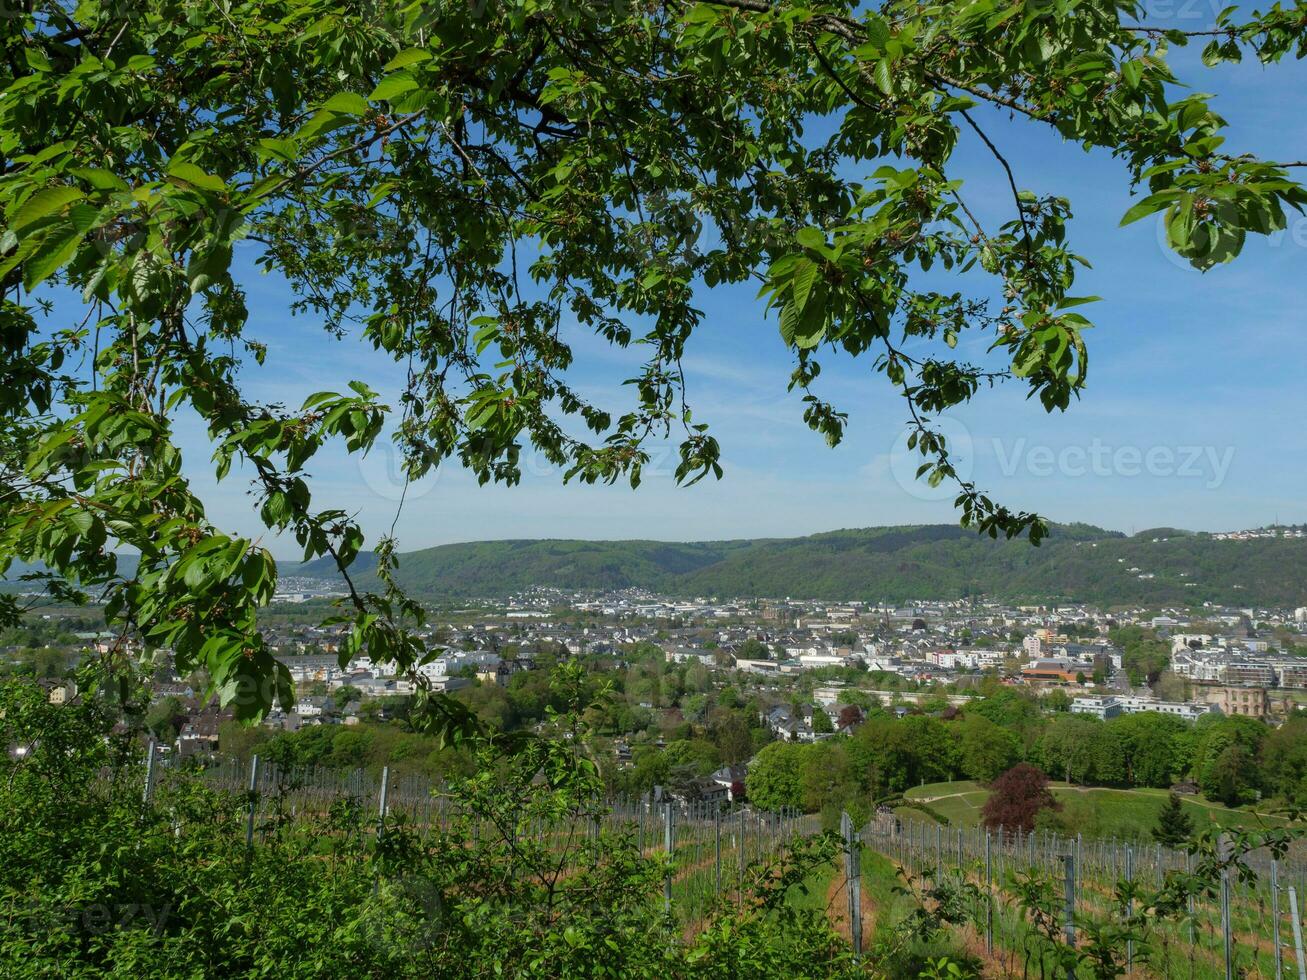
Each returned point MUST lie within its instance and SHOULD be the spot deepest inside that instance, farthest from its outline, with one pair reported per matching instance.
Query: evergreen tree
(1174, 826)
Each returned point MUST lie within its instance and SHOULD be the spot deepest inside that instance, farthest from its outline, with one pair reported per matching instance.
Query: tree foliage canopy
(1016, 799)
(454, 182)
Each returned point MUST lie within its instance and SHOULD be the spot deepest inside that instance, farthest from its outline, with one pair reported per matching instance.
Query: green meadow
(1091, 811)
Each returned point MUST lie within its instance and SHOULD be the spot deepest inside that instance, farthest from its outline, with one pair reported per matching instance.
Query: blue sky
(1193, 416)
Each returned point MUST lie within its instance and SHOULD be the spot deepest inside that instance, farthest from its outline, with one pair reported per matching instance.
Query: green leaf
(43, 204)
(52, 254)
(35, 59)
(789, 322)
(1149, 205)
(189, 173)
(349, 103)
(411, 56)
(392, 86)
(810, 237)
(881, 75)
(100, 179)
(1070, 301)
(80, 520)
(805, 275)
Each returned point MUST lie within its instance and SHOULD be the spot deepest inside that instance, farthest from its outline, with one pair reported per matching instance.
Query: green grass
(812, 893)
(1093, 812)
(1133, 813)
(881, 884)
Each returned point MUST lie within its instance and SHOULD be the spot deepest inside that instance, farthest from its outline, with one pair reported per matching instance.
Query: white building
(1099, 707)
(452, 661)
(1109, 706)
(1206, 666)
(811, 661)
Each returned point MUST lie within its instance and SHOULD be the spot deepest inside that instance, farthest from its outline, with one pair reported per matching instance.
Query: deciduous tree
(449, 184)
(1016, 799)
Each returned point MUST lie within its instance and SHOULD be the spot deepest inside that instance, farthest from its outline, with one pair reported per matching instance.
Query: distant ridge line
(1078, 562)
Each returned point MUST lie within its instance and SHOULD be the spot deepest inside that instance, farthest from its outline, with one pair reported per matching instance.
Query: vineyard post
(989, 896)
(1130, 908)
(381, 816)
(717, 848)
(149, 772)
(1189, 869)
(254, 795)
(852, 876)
(1297, 933)
(855, 893)
(1275, 917)
(667, 845)
(1069, 909)
(1223, 849)
(740, 848)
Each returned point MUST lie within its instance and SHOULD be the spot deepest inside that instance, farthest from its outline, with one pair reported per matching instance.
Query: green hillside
(1077, 562)
(1092, 811)
(488, 568)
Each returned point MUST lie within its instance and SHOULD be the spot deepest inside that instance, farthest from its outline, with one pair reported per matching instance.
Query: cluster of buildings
(1235, 661)
(1261, 532)
(1241, 666)
(1111, 705)
(798, 723)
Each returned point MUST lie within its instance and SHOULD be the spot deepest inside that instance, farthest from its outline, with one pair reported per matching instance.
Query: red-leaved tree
(1016, 797)
(850, 716)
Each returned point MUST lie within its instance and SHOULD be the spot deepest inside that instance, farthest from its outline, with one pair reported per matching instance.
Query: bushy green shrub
(95, 882)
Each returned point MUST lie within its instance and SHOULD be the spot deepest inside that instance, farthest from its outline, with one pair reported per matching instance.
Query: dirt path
(942, 796)
(837, 909)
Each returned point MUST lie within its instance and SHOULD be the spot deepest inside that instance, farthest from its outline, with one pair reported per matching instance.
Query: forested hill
(1077, 562)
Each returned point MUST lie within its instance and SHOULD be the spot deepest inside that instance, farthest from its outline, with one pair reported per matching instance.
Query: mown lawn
(1093, 812)
(1133, 812)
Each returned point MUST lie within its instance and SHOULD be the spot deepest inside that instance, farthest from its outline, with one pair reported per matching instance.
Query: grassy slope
(1093, 812)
